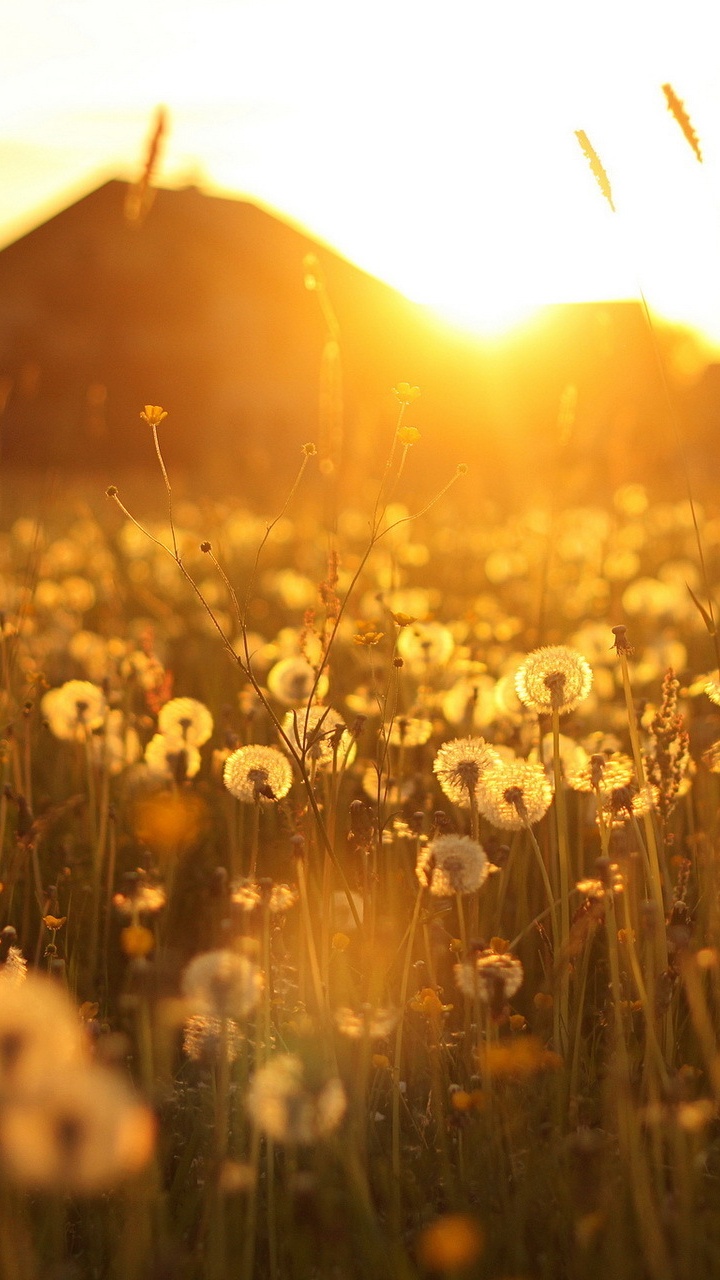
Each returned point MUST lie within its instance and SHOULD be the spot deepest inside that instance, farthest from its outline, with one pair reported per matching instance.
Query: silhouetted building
(203, 309)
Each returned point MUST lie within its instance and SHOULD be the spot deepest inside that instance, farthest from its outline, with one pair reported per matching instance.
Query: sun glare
(459, 182)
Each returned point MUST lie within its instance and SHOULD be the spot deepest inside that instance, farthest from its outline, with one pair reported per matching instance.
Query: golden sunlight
(441, 158)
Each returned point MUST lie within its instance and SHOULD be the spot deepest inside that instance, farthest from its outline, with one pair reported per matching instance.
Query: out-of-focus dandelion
(258, 774)
(249, 895)
(203, 1038)
(322, 735)
(144, 899)
(29, 1012)
(74, 710)
(341, 915)
(490, 977)
(375, 1024)
(292, 681)
(118, 745)
(410, 731)
(13, 965)
(222, 984)
(452, 864)
(284, 1103)
(186, 719)
(425, 644)
(172, 758)
(79, 1131)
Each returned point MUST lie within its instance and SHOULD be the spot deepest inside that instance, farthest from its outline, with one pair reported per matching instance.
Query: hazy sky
(434, 144)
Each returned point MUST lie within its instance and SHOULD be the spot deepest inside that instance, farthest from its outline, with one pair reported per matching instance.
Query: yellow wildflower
(408, 435)
(405, 393)
(519, 1059)
(428, 1002)
(450, 1243)
(368, 638)
(153, 414)
(54, 922)
(136, 940)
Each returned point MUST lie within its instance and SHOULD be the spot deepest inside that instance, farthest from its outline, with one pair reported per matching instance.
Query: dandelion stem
(397, 1065)
(167, 487)
(564, 880)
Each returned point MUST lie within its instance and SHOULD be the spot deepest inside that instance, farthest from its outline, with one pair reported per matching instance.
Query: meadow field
(359, 903)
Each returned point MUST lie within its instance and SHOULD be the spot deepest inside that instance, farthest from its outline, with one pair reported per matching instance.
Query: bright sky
(432, 144)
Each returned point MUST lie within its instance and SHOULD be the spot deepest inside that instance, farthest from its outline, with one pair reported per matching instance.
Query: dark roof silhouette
(203, 309)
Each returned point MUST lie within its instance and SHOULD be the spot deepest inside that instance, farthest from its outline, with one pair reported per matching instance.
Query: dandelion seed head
(187, 720)
(31, 1011)
(375, 1024)
(202, 1038)
(222, 984)
(74, 710)
(13, 970)
(283, 1104)
(171, 758)
(258, 774)
(322, 734)
(459, 767)
(452, 864)
(606, 772)
(515, 794)
(410, 731)
(293, 680)
(249, 895)
(80, 1131)
(553, 678)
(425, 644)
(489, 977)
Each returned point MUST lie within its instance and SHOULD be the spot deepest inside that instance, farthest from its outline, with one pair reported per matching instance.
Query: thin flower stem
(552, 902)
(563, 853)
(656, 878)
(167, 487)
(248, 1257)
(397, 1065)
(254, 839)
(309, 938)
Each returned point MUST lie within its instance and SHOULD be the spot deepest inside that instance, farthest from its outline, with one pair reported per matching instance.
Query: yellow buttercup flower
(451, 1242)
(368, 638)
(136, 940)
(408, 435)
(54, 922)
(153, 414)
(405, 393)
